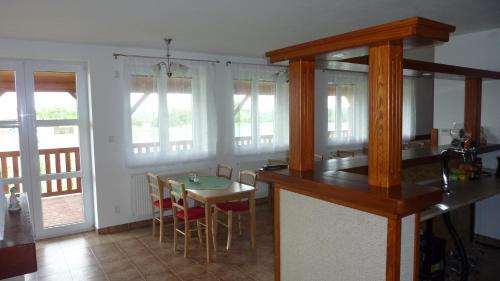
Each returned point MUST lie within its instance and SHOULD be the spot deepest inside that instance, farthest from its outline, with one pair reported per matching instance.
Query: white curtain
(168, 120)
(358, 106)
(266, 91)
(409, 115)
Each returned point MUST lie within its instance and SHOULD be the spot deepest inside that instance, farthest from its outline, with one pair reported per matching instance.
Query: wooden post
(385, 113)
(301, 72)
(472, 113)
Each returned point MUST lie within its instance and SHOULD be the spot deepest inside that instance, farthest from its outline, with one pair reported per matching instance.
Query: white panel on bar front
(324, 241)
(407, 247)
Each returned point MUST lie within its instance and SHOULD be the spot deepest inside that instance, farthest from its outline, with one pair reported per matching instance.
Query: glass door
(13, 148)
(59, 130)
(44, 142)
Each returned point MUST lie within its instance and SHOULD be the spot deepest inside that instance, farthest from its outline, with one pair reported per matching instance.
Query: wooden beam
(385, 114)
(393, 259)
(301, 72)
(472, 110)
(415, 28)
(433, 67)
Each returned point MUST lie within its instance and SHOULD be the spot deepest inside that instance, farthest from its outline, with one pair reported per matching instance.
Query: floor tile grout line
(99, 263)
(128, 258)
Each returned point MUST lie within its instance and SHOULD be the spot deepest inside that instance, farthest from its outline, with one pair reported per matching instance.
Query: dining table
(210, 190)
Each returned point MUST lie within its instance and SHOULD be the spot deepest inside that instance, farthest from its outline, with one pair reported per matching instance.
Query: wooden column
(301, 73)
(385, 113)
(472, 113)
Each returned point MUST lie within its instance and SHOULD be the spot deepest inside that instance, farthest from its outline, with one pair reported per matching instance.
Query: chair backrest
(178, 194)
(318, 157)
(277, 162)
(247, 177)
(224, 171)
(155, 186)
(344, 154)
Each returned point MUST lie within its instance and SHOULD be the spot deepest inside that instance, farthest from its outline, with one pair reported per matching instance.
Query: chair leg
(154, 225)
(215, 224)
(198, 228)
(175, 231)
(186, 237)
(161, 226)
(229, 229)
(239, 224)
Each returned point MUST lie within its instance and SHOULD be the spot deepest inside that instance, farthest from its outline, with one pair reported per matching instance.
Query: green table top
(206, 182)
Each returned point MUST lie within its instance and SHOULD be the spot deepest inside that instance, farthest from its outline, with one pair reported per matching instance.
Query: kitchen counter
(462, 194)
(344, 182)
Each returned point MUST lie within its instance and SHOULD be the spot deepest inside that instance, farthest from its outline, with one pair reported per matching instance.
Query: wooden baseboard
(144, 223)
(487, 240)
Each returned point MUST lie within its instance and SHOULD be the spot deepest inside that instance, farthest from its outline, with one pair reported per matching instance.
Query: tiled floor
(52, 209)
(136, 255)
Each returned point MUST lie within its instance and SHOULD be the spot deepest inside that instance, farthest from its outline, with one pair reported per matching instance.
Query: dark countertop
(17, 249)
(18, 230)
(463, 194)
(344, 182)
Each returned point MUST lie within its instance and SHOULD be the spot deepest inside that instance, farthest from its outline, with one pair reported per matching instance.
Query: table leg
(208, 230)
(251, 201)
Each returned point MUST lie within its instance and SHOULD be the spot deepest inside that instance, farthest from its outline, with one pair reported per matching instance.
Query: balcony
(57, 195)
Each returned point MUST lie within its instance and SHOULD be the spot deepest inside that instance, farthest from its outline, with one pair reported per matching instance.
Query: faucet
(468, 154)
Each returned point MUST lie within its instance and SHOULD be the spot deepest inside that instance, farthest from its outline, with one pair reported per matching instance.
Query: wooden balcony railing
(55, 160)
(343, 133)
(154, 147)
(243, 141)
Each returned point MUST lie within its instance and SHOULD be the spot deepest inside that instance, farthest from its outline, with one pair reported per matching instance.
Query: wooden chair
(224, 171)
(182, 211)
(159, 204)
(238, 207)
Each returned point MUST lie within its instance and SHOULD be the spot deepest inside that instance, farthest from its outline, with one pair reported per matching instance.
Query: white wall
(111, 175)
(479, 50)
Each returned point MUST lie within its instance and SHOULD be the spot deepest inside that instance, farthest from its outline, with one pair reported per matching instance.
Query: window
(340, 110)
(260, 110)
(169, 117)
(347, 105)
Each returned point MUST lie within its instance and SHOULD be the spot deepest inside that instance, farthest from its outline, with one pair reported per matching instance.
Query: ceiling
(233, 27)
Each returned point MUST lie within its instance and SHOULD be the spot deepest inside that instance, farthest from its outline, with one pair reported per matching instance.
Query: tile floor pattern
(71, 204)
(136, 255)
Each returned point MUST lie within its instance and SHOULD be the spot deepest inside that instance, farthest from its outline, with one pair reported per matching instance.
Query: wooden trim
(277, 235)
(385, 114)
(416, 248)
(433, 67)
(487, 240)
(415, 27)
(301, 73)
(393, 262)
(472, 108)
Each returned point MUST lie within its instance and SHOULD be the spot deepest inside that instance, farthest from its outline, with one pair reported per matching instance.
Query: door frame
(28, 139)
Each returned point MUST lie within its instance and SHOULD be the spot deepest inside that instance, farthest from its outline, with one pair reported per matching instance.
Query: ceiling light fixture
(426, 74)
(168, 41)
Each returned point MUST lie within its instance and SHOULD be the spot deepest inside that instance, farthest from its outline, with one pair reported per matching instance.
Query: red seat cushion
(194, 213)
(167, 203)
(235, 206)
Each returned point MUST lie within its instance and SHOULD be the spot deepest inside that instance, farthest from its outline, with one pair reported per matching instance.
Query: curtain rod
(152, 57)
(257, 64)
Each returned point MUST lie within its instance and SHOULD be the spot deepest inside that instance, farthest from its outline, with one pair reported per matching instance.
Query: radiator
(139, 196)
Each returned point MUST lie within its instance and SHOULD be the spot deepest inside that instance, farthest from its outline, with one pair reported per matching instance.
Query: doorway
(45, 142)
